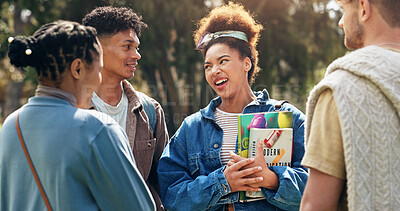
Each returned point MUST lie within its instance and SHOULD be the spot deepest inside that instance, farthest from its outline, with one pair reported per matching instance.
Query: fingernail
(261, 178)
(259, 168)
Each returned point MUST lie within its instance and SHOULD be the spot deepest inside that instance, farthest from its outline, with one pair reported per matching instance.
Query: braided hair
(110, 20)
(233, 16)
(53, 47)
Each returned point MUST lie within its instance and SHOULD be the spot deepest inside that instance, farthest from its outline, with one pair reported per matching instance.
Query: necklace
(390, 43)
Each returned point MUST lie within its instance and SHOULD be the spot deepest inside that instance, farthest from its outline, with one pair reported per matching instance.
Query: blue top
(191, 173)
(82, 159)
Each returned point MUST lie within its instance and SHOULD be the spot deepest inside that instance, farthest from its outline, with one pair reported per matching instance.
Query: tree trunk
(14, 90)
(15, 84)
(174, 109)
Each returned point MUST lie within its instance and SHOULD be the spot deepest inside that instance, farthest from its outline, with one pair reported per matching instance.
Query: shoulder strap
(150, 110)
(28, 157)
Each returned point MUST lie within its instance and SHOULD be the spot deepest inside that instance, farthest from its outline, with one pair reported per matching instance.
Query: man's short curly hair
(110, 20)
(233, 16)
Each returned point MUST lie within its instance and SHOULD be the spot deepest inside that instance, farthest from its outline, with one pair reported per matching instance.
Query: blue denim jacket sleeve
(292, 180)
(182, 187)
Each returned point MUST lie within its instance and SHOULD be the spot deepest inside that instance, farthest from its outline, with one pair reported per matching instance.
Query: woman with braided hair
(198, 170)
(53, 153)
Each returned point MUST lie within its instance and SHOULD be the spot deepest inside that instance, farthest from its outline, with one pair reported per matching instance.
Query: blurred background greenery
(300, 38)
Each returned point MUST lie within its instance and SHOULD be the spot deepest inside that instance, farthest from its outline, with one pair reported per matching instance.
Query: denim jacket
(191, 174)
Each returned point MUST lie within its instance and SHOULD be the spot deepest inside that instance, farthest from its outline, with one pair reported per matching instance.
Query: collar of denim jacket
(208, 112)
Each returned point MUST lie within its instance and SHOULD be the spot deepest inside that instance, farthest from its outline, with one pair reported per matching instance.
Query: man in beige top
(352, 126)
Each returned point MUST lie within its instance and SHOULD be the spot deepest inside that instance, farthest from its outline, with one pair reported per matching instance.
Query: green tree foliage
(168, 56)
(300, 38)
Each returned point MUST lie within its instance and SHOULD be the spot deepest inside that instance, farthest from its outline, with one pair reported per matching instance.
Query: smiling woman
(195, 172)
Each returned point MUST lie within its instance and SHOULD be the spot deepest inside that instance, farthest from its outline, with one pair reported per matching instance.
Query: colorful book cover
(277, 148)
(264, 120)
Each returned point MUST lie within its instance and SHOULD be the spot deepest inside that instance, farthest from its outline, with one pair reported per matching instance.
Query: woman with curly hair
(198, 170)
(54, 154)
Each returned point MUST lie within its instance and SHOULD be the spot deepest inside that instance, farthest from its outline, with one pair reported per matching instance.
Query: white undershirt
(229, 124)
(118, 113)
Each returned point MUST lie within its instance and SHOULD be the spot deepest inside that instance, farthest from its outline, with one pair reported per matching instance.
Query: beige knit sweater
(366, 89)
